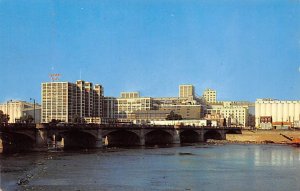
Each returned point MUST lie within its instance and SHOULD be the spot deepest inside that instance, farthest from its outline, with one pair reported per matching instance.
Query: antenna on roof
(80, 74)
(54, 76)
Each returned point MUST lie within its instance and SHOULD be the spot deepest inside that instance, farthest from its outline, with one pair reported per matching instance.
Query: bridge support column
(99, 143)
(223, 134)
(142, 137)
(176, 136)
(201, 136)
(1, 145)
(41, 140)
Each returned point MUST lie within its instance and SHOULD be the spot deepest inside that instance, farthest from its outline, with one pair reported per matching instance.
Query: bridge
(19, 137)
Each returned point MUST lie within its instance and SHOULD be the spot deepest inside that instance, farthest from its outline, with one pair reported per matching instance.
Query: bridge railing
(112, 125)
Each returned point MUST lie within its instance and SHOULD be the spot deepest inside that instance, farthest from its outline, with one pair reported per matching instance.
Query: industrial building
(270, 113)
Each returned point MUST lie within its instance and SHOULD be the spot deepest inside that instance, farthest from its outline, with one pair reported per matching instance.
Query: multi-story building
(187, 112)
(130, 102)
(277, 113)
(232, 112)
(21, 109)
(210, 96)
(146, 116)
(132, 107)
(67, 101)
(130, 95)
(186, 91)
(166, 101)
(109, 105)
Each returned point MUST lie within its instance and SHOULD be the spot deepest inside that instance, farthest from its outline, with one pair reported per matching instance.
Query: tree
(173, 116)
(4, 118)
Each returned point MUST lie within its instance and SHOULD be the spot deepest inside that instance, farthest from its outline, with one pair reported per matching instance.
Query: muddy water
(197, 167)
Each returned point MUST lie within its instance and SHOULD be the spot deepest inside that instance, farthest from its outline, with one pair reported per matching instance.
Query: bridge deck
(19, 126)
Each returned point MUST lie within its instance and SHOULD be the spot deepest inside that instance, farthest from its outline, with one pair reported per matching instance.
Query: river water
(197, 167)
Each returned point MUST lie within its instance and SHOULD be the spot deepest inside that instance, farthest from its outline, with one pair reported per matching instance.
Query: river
(198, 167)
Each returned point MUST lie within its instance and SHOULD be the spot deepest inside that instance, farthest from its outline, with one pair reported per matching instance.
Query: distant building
(17, 109)
(145, 116)
(130, 106)
(130, 102)
(130, 95)
(197, 123)
(276, 113)
(109, 106)
(186, 91)
(68, 102)
(187, 112)
(161, 101)
(210, 96)
(233, 112)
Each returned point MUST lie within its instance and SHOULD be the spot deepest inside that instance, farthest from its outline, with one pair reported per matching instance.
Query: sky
(243, 49)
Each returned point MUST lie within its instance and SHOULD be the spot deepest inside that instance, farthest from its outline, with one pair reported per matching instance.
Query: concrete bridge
(18, 137)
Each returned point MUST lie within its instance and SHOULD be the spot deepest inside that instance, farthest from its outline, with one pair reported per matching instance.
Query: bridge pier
(201, 136)
(41, 140)
(176, 136)
(142, 137)
(1, 145)
(99, 143)
(223, 134)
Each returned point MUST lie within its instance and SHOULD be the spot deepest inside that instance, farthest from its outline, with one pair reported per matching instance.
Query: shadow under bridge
(158, 137)
(77, 139)
(189, 136)
(16, 142)
(121, 138)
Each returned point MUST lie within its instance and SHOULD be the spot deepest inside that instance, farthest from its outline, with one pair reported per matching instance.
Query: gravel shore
(263, 136)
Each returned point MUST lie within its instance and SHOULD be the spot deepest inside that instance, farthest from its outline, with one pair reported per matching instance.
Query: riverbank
(263, 136)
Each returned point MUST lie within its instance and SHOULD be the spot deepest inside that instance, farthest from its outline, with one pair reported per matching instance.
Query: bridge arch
(189, 136)
(77, 139)
(212, 134)
(158, 137)
(122, 138)
(16, 142)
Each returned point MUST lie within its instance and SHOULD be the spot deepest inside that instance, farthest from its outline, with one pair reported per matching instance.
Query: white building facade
(186, 91)
(17, 109)
(236, 115)
(210, 96)
(67, 101)
(279, 111)
(130, 102)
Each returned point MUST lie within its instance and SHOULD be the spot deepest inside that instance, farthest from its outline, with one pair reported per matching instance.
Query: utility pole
(7, 109)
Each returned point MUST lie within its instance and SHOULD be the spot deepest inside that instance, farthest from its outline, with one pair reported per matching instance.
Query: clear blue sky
(243, 49)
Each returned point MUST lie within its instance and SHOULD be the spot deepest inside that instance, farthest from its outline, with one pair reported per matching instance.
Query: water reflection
(282, 156)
